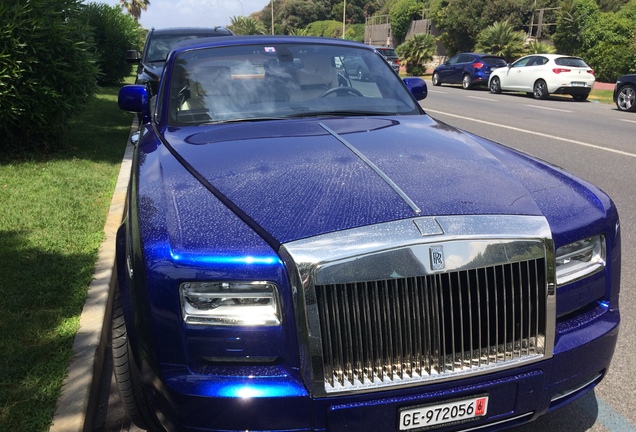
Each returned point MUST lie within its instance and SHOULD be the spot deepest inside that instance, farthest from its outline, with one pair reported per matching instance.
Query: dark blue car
(467, 69)
(306, 252)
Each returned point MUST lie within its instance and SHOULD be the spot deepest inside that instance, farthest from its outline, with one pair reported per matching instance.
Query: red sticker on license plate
(450, 412)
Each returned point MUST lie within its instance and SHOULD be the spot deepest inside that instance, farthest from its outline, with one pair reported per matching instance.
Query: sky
(193, 13)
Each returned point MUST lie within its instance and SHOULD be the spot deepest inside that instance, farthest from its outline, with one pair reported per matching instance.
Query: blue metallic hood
(299, 178)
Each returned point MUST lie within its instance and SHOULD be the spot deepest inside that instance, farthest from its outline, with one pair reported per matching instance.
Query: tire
(436, 81)
(626, 98)
(580, 97)
(466, 82)
(127, 376)
(495, 85)
(540, 90)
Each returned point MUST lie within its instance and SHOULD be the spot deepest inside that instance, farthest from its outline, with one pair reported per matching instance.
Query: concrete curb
(77, 403)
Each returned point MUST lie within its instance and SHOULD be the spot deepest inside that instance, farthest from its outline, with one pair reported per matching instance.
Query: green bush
(355, 32)
(416, 52)
(605, 40)
(327, 28)
(114, 33)
(47, 72)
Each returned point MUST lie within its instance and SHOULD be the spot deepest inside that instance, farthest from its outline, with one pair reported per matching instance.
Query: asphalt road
(595, 142)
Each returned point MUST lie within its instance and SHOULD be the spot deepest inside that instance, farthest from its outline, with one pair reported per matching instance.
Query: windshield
(387, 52)
(256, 82)
(494, 61)
(160, 45)
(571, 62)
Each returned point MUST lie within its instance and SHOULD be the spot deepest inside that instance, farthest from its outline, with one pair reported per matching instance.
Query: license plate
(578, 84)
(451, 412)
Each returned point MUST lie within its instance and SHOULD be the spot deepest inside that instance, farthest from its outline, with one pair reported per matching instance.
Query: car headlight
(580, 259)
(230, 303)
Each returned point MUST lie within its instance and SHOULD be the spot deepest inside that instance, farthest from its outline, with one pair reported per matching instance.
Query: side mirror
(132, 56)
(417, 87)
(134, 98)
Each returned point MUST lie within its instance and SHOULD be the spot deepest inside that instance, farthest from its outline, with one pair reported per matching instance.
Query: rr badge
(437, 257)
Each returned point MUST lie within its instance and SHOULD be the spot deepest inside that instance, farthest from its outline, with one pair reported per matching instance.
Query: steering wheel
(342, 91)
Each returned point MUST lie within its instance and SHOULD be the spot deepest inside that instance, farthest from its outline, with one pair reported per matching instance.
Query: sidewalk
(604, 86)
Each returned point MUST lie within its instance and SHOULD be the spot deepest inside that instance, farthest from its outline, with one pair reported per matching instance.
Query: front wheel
(127, 377)
(467, 82)
(436, 81)
(540, 90)
(626, 98)
(495, 85)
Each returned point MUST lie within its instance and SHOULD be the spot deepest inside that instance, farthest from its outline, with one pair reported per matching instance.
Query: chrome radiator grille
(440, 326)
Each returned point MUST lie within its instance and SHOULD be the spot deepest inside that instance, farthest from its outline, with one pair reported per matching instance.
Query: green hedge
(47, 72)
(114, 33)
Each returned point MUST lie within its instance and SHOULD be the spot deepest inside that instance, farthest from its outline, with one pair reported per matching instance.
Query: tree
(572, 20)
(459, 21)
(518, 13)
(401, 14)
(416, 52)
(246, 26)
(605, 40)
(608, 46)
(501, 39)
(134, 7)
(290, 14)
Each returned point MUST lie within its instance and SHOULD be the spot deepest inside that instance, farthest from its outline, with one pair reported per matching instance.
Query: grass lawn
(52, 214)
(602, 96)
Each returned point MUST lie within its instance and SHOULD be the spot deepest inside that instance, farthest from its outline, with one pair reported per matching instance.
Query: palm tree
(299, 32)
(241, 25)
(538, 47)
(416, 52)
(501, 39)
(134, 7)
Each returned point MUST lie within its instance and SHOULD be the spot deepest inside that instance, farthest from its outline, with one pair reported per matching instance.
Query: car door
(459, 67)
(514, 77)
(533, 71)
(446, 73)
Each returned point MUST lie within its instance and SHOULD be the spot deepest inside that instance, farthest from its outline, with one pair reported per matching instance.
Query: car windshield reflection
(257, 82)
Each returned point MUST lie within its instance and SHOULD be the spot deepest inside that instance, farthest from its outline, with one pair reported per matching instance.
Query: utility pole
(344, 14)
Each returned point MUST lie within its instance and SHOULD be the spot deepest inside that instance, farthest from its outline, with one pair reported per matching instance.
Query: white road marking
(579, 143)
(549, 109)
(482, 98)
(629, 121)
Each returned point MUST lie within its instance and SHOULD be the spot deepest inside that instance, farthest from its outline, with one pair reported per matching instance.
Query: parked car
(467, 69)
(306, 252)
(540, 75)
(158, 44)
(391, 56)
(625, 93)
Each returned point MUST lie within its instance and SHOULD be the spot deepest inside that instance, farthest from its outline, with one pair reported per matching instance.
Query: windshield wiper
(242, 120)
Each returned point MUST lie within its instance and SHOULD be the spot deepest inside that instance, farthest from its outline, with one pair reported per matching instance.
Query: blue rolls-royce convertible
(302, 251)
